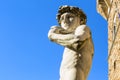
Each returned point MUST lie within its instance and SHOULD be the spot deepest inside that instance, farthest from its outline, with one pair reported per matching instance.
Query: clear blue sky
(25, 51)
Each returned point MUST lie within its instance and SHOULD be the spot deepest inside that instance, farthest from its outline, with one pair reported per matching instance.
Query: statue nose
(66, 20)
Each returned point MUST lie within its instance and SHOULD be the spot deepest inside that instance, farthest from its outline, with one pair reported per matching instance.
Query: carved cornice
(103, 8)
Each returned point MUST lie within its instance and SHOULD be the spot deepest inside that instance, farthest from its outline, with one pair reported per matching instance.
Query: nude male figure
(75, 36)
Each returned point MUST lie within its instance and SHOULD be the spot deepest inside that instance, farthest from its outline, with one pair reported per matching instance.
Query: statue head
(70, 17)
(74, 10)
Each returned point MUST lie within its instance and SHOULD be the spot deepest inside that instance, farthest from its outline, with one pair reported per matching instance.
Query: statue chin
(68, 29)
(65, 27)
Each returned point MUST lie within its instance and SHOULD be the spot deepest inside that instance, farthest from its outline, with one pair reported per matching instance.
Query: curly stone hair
(75, 10)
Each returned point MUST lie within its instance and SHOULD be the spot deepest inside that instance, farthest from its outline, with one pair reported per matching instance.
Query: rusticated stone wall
(113, 19)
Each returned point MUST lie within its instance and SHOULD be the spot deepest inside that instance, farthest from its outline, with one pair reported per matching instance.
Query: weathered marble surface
(75, 36)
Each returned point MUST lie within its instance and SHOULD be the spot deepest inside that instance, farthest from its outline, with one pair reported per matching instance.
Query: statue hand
(57, 29)
(53, 29)
(75, 40)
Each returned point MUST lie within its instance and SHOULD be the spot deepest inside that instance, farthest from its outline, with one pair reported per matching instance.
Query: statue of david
(75, 36)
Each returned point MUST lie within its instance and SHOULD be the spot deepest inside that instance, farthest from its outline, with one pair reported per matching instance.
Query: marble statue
(75, 36)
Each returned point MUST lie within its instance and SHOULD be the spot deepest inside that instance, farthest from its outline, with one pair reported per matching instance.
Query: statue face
(69, 21)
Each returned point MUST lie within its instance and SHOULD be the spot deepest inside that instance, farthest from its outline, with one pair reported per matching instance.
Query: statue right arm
(67, 40)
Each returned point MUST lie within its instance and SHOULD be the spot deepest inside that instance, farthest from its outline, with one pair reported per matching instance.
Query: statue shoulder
(82, 29)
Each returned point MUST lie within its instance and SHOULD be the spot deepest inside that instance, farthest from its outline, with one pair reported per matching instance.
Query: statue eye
(61, 18)
(71, 18)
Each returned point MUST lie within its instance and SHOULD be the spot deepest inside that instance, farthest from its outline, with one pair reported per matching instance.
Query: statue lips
(65, 25)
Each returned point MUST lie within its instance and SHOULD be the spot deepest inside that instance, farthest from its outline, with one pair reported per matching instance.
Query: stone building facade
(110, 10)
